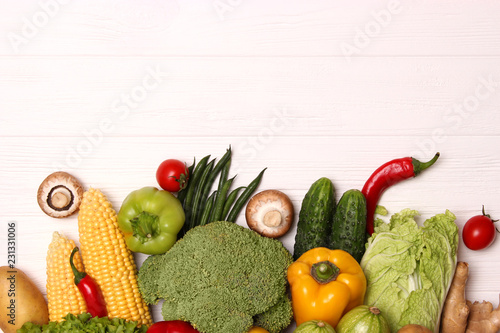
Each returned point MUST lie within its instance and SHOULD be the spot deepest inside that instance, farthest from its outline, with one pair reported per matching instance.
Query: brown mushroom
(60, 194)
(270, 213)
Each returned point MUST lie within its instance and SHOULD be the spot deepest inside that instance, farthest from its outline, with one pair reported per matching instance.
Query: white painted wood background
(106, 90)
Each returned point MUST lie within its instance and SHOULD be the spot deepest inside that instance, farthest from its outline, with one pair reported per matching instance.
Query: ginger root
(456, 310)
(483, 319)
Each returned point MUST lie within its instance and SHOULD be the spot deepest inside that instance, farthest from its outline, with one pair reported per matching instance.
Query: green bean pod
(197, 173)
(188, 201)
(224, 175)
(207, 211)
(223, 178)
(247, 193)
(231, 198)
(181, 195)
(220, 200)
(215, 172)
(198, 203)
(204, 189)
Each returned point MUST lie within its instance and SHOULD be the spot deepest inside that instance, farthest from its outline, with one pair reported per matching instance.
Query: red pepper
(386, 175)
(91, 292)
(172, 326)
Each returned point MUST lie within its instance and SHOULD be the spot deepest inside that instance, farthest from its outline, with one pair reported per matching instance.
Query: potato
(20, 301)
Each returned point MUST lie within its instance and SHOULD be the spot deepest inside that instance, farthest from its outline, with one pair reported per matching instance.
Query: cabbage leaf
(409, 268)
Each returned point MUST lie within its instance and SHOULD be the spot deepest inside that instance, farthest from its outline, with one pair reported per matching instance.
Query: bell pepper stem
(78, 275)
(418, 166)
(145, 226)
(324, 272)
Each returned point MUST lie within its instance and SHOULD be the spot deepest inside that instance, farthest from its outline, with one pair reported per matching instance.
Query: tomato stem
(488, 216)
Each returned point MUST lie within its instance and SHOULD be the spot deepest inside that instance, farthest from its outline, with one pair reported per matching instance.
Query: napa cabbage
(409, 268)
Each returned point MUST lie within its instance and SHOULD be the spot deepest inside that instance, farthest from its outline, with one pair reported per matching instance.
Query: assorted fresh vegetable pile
(349, 271)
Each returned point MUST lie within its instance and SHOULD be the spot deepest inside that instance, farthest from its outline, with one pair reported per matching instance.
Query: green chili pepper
(150, 220)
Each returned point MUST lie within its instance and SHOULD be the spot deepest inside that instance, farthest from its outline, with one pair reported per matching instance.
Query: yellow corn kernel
(108, 260)
(62, 293)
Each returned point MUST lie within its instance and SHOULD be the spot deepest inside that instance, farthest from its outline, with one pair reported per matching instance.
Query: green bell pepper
(150, 220)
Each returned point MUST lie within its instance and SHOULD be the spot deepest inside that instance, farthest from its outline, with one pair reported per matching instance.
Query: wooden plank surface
(106, 90)
(251, 28)
(306, 96)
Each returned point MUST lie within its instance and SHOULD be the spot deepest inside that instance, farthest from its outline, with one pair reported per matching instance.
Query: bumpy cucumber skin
(348, 232)
(315, 217)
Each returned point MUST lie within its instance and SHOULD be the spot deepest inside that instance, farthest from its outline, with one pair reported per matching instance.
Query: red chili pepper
(386, 175)
(91, 292)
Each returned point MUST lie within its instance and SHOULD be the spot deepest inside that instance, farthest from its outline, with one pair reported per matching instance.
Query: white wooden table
(106, 90)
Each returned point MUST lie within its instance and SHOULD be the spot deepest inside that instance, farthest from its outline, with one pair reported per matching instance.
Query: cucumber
(315, 217)
(349, 224)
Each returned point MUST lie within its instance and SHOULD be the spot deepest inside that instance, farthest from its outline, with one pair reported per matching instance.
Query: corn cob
(62, 293)
(108, 260)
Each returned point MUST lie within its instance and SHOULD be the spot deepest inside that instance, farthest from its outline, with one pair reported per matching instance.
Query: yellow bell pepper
(325, 284)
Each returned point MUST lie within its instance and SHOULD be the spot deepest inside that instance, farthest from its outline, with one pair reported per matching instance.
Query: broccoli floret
(218, 277)
(277, 318)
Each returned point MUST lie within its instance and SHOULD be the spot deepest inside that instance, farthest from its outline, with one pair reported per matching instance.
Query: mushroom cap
(60, 194)
(270, 213)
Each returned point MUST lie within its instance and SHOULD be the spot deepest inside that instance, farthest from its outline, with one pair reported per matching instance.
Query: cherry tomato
(172, 326)
(479, 232)
(172, 175)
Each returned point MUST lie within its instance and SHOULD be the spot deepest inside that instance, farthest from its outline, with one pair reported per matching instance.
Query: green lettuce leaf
(85, 323)
(409, 268)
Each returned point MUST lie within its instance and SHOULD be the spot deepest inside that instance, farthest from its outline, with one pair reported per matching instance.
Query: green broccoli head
(277, 318)
(217, 277)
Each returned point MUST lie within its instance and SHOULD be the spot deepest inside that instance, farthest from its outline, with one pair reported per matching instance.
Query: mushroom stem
(59, 200)
(272, 218)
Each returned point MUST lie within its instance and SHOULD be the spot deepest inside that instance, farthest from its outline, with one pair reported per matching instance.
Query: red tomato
(173, 326)
(172, 175)
(479, 232)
